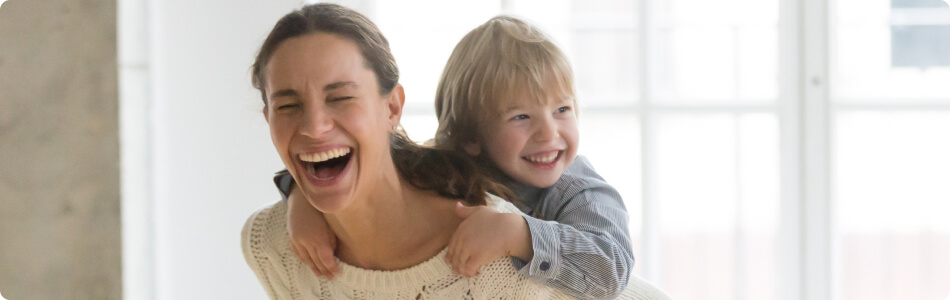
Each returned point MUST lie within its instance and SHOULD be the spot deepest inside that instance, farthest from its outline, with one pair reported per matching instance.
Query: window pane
(718, 191)
(606, 64)
(611, 141)
(420, 127)
(715, 51)
(422, 41)
(599, 38)
(887, 50)
(892, 198)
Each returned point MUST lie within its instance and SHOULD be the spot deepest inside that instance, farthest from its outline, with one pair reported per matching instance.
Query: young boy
(506, 97)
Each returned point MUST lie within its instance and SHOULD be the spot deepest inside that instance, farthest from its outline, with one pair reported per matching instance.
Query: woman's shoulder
(267, 251)
(501, 205)
(267, 223)
(264, 233)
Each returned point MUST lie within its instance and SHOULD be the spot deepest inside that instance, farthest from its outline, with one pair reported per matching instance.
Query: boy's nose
(546, 131)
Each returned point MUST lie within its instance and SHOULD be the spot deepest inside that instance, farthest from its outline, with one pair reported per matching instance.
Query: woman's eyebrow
(284, 93)
(329, 87)
(337, 85)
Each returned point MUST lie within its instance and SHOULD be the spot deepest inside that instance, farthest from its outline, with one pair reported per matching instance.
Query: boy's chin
(541, 182)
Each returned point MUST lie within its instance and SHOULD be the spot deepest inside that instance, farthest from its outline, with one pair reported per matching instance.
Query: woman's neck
(393, 227)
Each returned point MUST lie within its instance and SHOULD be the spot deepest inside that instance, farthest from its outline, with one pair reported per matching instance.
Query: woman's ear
(473, 149)
(397, 98)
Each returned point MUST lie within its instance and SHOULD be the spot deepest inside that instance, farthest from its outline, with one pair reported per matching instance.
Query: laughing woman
(333, 103)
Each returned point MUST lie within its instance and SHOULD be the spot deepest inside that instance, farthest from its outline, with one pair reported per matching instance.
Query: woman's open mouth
(324, 167)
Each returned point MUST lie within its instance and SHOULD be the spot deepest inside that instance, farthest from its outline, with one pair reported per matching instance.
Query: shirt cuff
(544, 239)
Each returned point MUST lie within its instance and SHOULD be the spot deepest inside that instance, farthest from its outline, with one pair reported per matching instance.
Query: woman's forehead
(315, 50)
(316, 58)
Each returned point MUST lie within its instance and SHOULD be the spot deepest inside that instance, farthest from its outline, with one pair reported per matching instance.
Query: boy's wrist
(520, 243)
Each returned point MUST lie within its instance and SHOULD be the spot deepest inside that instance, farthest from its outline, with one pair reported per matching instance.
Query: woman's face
(327, 118)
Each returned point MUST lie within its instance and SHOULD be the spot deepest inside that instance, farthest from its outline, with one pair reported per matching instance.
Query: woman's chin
(327, 203)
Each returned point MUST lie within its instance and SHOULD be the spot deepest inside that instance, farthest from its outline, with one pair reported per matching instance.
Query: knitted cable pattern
(268, 252)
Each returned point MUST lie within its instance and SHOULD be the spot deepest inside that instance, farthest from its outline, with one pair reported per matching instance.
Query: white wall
(211, 153)
(197, 156)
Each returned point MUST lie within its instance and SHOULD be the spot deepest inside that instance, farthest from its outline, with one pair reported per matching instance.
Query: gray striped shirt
(578, 232)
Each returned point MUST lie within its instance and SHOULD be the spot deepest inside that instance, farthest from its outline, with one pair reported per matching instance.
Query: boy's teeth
(542, 159)
(325, 155)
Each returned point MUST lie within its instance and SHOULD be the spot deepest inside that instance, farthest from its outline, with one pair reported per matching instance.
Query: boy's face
(531, 141)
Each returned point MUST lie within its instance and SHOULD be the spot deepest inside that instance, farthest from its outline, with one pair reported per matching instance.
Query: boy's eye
(519, 117)
(563, 109)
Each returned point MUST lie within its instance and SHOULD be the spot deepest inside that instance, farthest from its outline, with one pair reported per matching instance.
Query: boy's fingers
(296, 251)
(461, 261)
(473, 265)
(313, 267)
(451, 249)
(326, 257)
(305, 259)
(455, 263)
(465, 266)
(316, 262)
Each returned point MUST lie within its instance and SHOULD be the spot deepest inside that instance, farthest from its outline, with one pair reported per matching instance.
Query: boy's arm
(310, 237)
(585, 250)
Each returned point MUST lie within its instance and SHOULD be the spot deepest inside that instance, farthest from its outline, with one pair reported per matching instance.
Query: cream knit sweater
(268, 252)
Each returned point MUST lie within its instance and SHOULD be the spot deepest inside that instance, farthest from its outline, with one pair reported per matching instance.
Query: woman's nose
(315, 122)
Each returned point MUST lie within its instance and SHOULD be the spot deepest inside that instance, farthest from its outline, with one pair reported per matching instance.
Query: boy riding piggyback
(506, 97)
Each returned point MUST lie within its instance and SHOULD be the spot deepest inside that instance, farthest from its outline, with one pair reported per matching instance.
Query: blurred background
(765, 149)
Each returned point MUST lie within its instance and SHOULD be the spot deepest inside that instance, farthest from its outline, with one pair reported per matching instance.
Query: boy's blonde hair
(502, 59)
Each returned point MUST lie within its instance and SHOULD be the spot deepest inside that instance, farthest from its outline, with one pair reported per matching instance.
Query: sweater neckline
(423, 274)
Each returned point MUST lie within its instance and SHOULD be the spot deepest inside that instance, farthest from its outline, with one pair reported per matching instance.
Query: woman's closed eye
(338, 99)
(288, 106)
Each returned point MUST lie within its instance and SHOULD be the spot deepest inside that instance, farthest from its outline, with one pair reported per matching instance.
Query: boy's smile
(531, 141)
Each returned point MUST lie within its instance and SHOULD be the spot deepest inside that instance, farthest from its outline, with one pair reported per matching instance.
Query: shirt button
(544, 266)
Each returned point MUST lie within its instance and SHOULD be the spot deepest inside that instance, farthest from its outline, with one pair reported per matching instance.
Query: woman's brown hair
(450, 174)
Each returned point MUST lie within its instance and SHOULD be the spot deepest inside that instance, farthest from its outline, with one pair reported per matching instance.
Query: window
(693, 110)
(891, 136)
(920, 33)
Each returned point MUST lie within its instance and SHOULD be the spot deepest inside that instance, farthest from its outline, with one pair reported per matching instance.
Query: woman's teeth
(325, 155)
(543, 159)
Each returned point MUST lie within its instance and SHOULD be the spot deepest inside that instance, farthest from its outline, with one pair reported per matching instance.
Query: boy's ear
(264, 110)
(473, 149)
(397, 98)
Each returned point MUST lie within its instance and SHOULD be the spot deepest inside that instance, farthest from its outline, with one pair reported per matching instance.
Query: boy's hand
(484, 236)
(311, 238)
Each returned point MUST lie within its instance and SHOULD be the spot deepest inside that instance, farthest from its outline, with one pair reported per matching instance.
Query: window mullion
(817, 238)
(651, 241)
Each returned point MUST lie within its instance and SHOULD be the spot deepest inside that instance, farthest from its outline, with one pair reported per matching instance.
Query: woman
(333, 104)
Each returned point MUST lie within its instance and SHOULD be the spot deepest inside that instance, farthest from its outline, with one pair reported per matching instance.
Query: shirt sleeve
(285, 184)
(585, 250)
